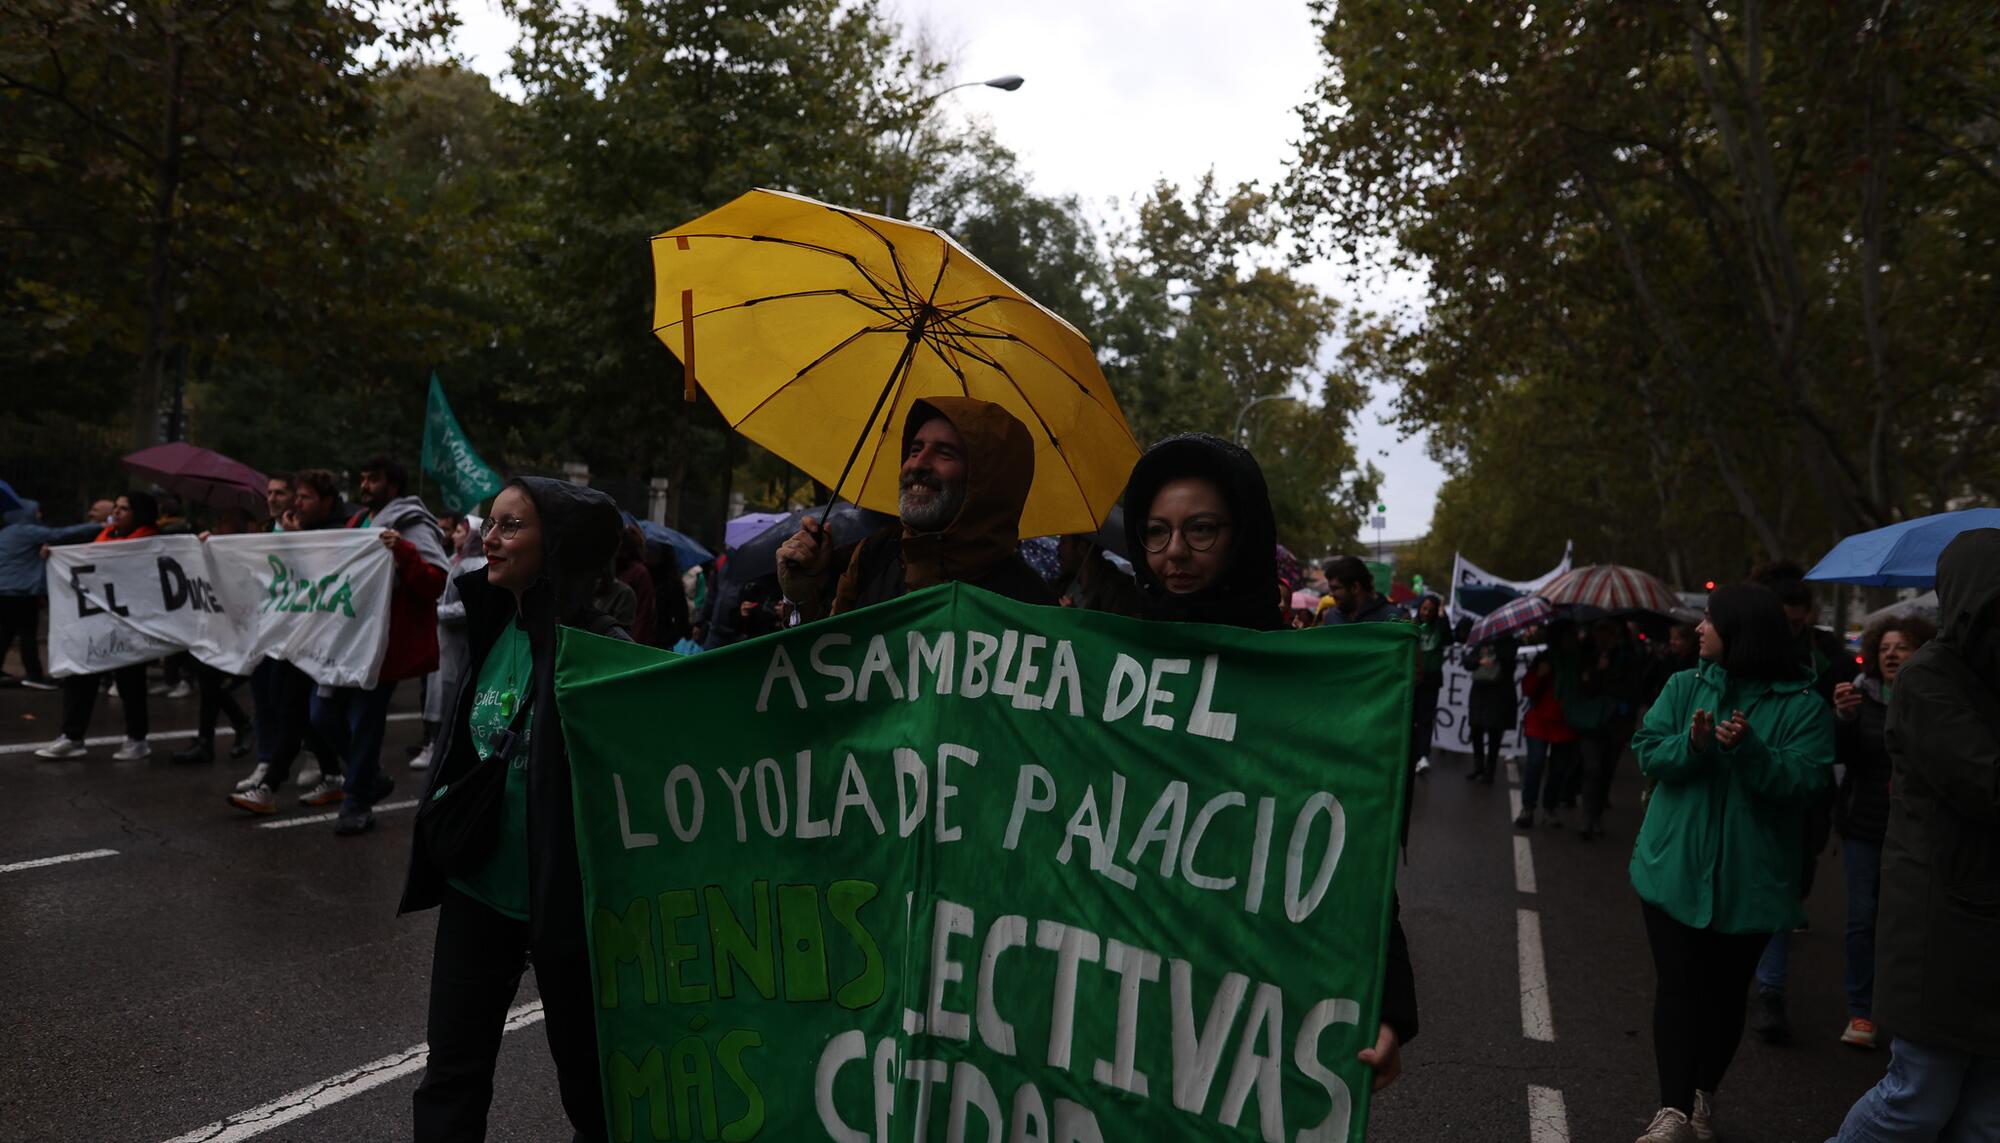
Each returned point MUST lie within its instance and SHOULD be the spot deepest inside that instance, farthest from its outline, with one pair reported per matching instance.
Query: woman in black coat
(1861, 804)
(1491, 707)
(1198, 512)
(520, 892)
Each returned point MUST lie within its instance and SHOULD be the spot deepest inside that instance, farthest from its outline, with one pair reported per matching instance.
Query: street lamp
(1253, 403)
(1002, 82)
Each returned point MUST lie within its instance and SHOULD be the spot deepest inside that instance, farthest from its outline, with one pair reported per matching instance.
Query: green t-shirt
(502, 883)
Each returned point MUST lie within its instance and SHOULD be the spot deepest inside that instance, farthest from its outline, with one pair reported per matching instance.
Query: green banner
(958, 868)
(449, 458)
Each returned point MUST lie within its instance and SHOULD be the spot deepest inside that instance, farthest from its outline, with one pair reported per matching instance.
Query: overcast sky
(1120, 93)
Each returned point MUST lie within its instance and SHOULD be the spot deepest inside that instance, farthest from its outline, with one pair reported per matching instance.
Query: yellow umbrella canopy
(814, 328)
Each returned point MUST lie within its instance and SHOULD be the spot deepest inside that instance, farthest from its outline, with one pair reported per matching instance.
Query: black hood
(580, 531)
(1247, 593)
(1968, 584)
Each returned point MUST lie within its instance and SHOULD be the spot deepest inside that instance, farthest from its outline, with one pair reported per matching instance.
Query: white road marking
(1536, 1023)
(1524, 865)
(1548, 1118)
(309, 819)
(158, 736)
(67, 857)
(1513, 802)
(1514, 772)
(327, 1092)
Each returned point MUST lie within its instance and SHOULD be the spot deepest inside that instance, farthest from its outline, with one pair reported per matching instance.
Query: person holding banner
(495, 850)
(1739, 747)
(134, 517)
(23, 582)
(354, 719)
(1198, 510)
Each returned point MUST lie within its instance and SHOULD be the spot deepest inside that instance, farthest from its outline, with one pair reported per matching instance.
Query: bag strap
(506, 742)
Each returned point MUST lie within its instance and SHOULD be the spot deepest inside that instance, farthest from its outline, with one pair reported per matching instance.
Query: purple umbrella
(199, 475)
(748, 527)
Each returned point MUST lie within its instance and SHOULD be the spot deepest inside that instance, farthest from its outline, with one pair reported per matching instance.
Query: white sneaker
(133, 750)
(422, 761)
(1423, 765)
(309, 777)
(181, 690)
(157, 689)
(1668, 1126)
(1702, 1122)
(255, 779)
(62, 748)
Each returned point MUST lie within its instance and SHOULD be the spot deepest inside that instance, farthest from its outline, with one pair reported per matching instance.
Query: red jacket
(413, 628)
(1545, 711)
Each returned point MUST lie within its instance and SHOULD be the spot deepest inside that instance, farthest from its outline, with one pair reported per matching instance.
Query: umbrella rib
(902, 279)
(746, 304)
(881, 285)
(815, 363)
(1055, 445)
(1053, 363)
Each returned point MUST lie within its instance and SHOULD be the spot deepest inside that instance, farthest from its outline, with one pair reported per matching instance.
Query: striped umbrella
(1512, 616)
(1613, 588)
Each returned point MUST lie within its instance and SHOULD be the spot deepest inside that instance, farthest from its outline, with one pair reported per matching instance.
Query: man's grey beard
(936, 514)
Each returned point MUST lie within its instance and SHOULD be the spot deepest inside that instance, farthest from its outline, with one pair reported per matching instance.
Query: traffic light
(1709, 586)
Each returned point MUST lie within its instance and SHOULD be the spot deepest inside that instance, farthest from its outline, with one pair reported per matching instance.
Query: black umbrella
(758, 557)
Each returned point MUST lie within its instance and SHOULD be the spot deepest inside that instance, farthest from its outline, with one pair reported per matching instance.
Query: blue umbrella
(1900, 555)
(686, 550)
(9, 499)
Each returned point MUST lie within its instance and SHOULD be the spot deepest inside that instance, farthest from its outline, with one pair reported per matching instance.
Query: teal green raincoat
(1723, 842)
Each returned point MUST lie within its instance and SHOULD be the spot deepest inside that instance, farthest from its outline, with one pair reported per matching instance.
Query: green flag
(955, 867)
(449, 457)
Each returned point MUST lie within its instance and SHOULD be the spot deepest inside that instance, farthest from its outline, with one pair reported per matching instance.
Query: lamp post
(1253, 403)
(1002, 82)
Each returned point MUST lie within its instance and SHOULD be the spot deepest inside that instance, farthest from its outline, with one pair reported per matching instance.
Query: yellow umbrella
(814, 327)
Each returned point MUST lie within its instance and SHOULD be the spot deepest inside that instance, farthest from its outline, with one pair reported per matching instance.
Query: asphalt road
(212, 976)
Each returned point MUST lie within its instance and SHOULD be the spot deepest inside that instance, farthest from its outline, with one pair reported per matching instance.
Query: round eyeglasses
(1200, 533)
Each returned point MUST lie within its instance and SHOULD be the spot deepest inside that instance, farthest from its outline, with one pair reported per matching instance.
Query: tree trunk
(160, 274)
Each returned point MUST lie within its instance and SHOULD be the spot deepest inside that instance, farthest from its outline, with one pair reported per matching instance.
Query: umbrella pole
(895, 376)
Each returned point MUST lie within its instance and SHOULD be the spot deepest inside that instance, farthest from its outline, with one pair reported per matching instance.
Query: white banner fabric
(1465, 573)
(1452, 730)
(319, 600)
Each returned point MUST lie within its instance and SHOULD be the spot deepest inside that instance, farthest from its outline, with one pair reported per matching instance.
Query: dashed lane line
(310, 819)
(1524, 865)
(1548, 1118)
(327, 1092)
(1536, 1023)
(160, 736)
(39, 862)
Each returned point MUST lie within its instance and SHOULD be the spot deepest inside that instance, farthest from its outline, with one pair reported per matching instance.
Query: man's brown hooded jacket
(981, 544)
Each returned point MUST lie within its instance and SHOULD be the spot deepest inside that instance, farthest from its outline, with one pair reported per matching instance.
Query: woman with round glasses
(1197, 509)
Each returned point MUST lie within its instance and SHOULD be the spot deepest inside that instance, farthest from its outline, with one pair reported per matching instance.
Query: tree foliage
(1707, 281)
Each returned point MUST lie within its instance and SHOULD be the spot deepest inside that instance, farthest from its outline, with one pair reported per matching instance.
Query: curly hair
(1915, 628)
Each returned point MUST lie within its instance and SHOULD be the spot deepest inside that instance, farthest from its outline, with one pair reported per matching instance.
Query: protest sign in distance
(318, 600)
(958, 868)
(1453, 730)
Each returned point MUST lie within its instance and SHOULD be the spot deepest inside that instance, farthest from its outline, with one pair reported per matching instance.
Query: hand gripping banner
(319, 600)
(958, 868)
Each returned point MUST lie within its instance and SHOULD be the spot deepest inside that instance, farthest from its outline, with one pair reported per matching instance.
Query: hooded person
(967, 468)
(517, 896)
(1198, 521)
(23, 582)
(1936, 986)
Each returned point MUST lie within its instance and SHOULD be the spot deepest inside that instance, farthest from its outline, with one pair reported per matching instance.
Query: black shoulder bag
(460, 823)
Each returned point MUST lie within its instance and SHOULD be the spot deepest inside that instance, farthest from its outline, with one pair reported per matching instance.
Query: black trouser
(475, 970)
(1700, 980)
(80, 698)
(1424, 720)
(20, 616)
(1486, 749)
(1602, 748)
(216, 700)
(283, 696)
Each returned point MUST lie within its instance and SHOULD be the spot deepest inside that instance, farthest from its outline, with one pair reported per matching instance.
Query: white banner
(319, 600)
(1465, 573)
(1453, 731)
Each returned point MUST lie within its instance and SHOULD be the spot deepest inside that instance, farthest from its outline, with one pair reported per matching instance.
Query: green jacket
(1723, 842)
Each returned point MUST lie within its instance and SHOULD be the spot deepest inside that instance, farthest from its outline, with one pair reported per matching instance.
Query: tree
(1747, 235)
